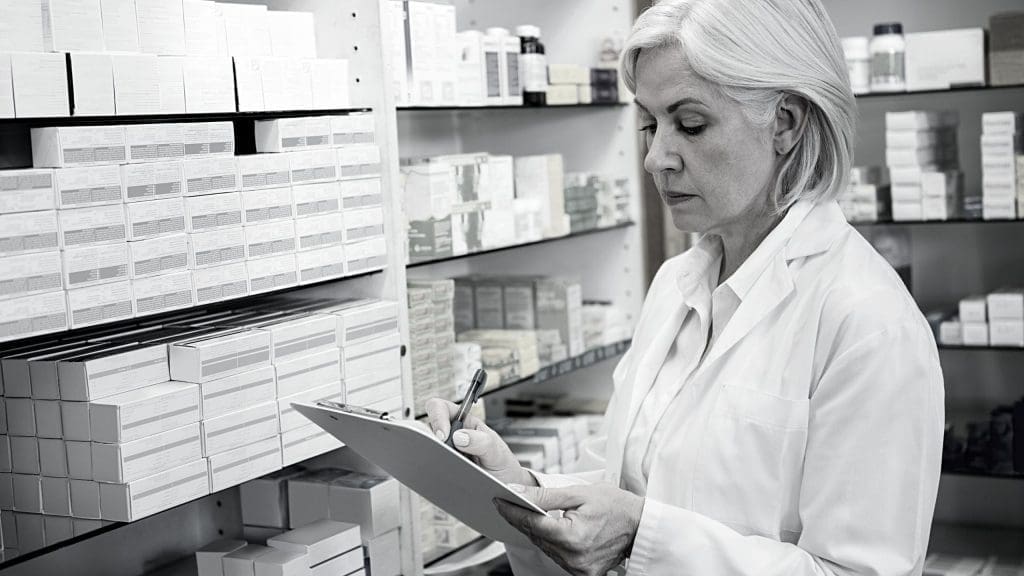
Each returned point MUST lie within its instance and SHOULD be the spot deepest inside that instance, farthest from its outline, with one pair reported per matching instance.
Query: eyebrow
(674, 106)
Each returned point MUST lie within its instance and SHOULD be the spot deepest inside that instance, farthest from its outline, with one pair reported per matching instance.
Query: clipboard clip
(357, 410)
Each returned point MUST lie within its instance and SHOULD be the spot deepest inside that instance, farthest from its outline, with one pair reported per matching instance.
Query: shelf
(981, 348)
(935, 222)
(977, 474)
(166, 118)
(880, 95)
(523, 245)
(509, 107)
(430, 561)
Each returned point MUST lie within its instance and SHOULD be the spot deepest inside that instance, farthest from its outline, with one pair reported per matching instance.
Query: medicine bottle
(888, 58)
(858, 63)
(533, 66)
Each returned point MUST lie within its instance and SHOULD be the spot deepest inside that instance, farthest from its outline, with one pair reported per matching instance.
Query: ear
(790, 122)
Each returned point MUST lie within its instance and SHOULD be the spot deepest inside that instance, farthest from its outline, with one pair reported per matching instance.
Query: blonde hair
(758, 52)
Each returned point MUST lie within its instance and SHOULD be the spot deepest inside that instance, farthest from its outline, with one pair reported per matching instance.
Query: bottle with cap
(858, 62)
(888, 58)
(533, 66)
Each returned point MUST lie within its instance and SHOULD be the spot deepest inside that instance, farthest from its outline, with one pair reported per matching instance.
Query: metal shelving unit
(509, 107)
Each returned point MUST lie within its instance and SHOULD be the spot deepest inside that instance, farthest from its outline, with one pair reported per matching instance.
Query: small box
(287, 84)
(171, 82)
(321, 541)
(330, 82)
(5, 467)
(1006, 333)
(27, 191)
(53, 461)
(130, 461)
(155, 142)
(91, 265)
(23, 30)
(219, 355)
(302, 336)
(1005, 304)
(312, 166)
(96, 225)
(291, 419)
(248, 29)
(6, 87)
(269, 239)
(85, 499)
(75, 425)
(272, 273)
(21, 417)
(120, 25)
(205, 34)
(136, 84)
(249, 84)
(951, 333)
(975, 333)
(315, 199)
(372, 502)
(205, 139)
(364, 223)
(281, 563)
(259, 171)
(292, 34)
(29, 232)
(99, 304)
(383, 554)
(366, 255)
(56, 494)
(293, 134)
(265, 500)
(378, 356)
(25, 453)
(355, 128)
(28, 495)
(155, 218)
(359, 161)
(226, 395)
(30, 274)
(568, 74)
(144, 412)
(110, 370)
(248, 425)
(158, 256)
(217, 247)
(69, 146)
(363, 193)
(267, 205)
(320, 231)
(210, 175)
(161, 27)
(87, 186)
(81, 527)
(363, 320)
(92, 80)
(209, 557)
(350, 562)
(219, 283)
(140, 498)
(308, 371)
(563, 95)
(559, 307)
(242, 562)
(40, 86)
(209, 84)
(152, 181)
(945, 59)
(320, 264)
(213, 212)
(238, 465)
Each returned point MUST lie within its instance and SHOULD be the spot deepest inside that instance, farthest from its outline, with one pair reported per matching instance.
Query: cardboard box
(362, 224)
(249, 84)
(312, 166)
(31, 371)
(1006, 333)
(542, 177)
(330, 84)
(236, 428)
(1005, 123)
(267, 205)
(293, 134)
(975, 333)
(210, 175)
(209, 557)
(99, 304)
(69, 146)
(22, 30)
(96, 225)
(383, 554)
(21, 417)
(152, 181)
(92, 81)
(287, 84)
(366, 255)
(1003, 304)
(314, 370)
(25, 453)
(945, 59)
(158, 256)
(146, 496)
(136, 84)
(40, 85)
(473, 82)
(75, 424)
(53, 461)
(131, 461)
(320, 264)
(30, 274)
(354, 128)
(210, 139)
(160, 294)
(315, 199)
(154, 143)
(28, 232)
(291, 419)
(120, 25)
(281, 563)
(6, 87)
(219, 355)
(265, 500)
(70, 25)
(302, 336)
(260, 171)
(209, 84)
(85, 499)
(321, 541)
(213, 212)
(292, 34)
(379, 356)
(91, 265)
(362, 320)
(48, 423)
(155, 218)
(238, 465)
(28, 495)
(272, 273)
(171, 80)
(27, 191)
(348, 562)
(248, 29)
(270, 239)
(564, 95)
(372, 502)
(242, 562)
(56, 497)
(365, 193)
(205, 34)
(5, 468)
(111, 370)
(161, 27)
(217, 247)
(358, 161)
(559, 307)
(320, 231)
(226, 395)
(219, 283)
(371, 390)
(87, 186)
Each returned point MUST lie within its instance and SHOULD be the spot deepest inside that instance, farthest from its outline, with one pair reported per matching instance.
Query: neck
(740, 241)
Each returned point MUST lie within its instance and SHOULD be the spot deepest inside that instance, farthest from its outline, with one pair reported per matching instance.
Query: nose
(661, 156)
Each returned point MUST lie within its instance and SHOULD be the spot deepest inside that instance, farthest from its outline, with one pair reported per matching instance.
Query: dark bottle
(533, 66)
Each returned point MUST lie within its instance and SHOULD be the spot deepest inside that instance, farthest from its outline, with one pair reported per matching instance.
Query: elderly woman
(781, 408)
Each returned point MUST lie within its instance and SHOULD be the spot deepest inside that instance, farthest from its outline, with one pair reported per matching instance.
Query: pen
(472, 395)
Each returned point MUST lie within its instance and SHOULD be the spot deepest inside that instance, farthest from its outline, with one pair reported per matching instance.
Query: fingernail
(460, 439)
(517, 488)
(440, 435)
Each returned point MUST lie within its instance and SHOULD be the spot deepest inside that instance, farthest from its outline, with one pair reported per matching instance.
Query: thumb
(551, 498)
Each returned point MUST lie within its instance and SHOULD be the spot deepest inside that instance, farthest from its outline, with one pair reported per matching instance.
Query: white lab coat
(820, 420)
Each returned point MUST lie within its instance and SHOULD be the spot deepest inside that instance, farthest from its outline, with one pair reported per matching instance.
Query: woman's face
(712, 166)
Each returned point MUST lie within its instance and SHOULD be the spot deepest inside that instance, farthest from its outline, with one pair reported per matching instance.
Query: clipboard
(426, 465)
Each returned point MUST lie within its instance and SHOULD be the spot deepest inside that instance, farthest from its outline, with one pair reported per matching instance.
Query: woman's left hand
(594, 534)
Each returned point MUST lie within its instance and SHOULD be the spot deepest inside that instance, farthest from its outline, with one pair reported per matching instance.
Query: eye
(692, 130)
(648, 127)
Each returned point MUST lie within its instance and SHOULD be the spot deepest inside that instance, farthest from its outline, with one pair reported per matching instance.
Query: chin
(690, 221)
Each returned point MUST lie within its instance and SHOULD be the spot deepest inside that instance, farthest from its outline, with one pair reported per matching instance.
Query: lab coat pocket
(750, 461)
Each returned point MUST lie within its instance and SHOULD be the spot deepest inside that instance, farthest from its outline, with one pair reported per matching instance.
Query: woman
(781, 408)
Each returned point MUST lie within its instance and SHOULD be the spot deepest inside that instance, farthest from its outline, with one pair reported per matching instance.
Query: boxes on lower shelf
(244, 463)
(130, 461)
(145, 496)
(237, 428)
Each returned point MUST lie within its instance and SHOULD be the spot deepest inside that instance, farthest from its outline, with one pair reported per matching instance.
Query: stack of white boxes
(923, 159)
(1002, 141)
(568, 84)
(426, 32)
(441, 331)
(467, 360)
(321, 548)
(867, 198)
(604, 325)
(422, 346)
(974, 321)
(996, 319)
(148, 57)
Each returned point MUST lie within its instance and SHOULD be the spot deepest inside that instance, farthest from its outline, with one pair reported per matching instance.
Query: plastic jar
(888, 58)
(858, 63)
(533, 65)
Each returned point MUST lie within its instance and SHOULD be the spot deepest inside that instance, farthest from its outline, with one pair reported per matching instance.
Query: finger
(439, 415)
(474, 442)
(535, 526)
(553, 498)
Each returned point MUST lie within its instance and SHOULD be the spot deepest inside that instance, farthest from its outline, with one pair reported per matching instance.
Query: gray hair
(758, 52)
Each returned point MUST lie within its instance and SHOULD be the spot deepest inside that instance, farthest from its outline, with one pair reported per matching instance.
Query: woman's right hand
(479, 442)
